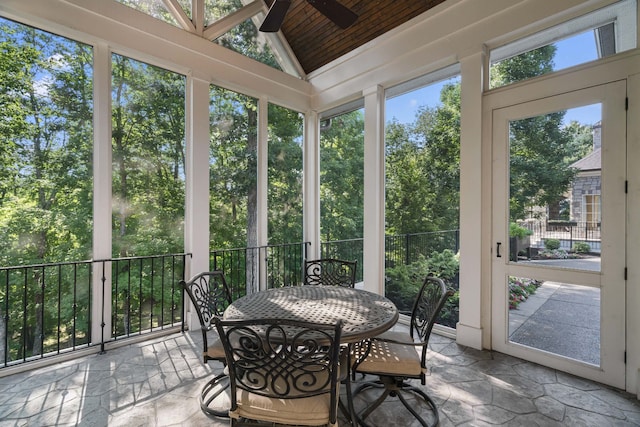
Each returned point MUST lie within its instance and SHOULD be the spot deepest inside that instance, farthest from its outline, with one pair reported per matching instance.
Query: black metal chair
(330, 271)
(210, 296)
(282, 371)
(394, 358)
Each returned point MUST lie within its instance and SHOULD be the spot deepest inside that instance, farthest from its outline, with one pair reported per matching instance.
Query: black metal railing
(349, 250)
(47, 309)
(567, 232)
(249, 270)
(145, 293)
(408, 248)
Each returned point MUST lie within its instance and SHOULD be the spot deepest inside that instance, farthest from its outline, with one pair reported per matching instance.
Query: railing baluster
(59, 305)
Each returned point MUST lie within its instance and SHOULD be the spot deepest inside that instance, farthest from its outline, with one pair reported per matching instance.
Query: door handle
(498, 250)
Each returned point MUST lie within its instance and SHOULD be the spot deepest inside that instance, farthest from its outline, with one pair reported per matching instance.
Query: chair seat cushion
(387, 358)
(215, 351)
(301, 411)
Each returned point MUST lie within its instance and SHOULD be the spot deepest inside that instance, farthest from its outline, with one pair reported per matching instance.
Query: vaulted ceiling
(316, 41)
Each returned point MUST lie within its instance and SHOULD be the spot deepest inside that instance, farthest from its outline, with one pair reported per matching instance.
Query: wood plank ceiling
(316, 40)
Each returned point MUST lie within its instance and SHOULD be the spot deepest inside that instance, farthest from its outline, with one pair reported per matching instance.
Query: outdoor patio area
(157, 382)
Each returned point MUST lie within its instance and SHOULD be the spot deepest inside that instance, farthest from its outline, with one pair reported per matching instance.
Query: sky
(572, 51)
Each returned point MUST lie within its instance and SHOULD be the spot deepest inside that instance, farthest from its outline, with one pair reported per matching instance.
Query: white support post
(196, 228)
(374, 224)
(469, 328)
(311, 185)
(263, 184)
(102, 175)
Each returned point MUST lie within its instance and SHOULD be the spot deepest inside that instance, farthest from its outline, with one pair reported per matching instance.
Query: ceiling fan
(342, 16)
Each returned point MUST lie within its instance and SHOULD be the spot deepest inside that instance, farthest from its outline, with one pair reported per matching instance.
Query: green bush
(516, 230)
(551, 244)
(402, 282)
(444, 265)
(581, 247)
(450, 313)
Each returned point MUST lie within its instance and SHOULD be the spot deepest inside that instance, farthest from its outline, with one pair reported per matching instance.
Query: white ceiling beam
(197, 15)
(222, 25)
(282, 50)
(178, 13)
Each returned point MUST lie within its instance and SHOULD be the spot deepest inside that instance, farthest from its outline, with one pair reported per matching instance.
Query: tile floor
(157, 382)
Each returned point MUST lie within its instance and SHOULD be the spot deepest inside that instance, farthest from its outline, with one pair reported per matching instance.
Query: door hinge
(625, 357)
(626, 187)
(625, 273)
(626, 103)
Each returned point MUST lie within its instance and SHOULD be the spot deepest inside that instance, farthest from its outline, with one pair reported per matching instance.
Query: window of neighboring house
(599, 34)
(592, 209)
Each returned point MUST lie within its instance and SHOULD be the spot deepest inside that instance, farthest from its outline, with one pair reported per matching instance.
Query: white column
(101, 193)
(197, 176)
(263, 183)
(311, 184)
(374, 228)
(196, 229)
(469, 328)
(633, 238)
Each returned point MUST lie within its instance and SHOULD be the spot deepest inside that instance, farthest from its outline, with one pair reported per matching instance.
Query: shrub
(554, 254)
(516, 230)
(520, 289)
(450, 313)
(402, 282)
(581, 247)
(551, 244)
(444, 265)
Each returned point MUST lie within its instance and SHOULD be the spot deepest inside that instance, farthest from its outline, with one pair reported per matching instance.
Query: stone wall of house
(582, 186)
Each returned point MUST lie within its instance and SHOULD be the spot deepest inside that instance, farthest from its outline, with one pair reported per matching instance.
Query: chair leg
(348, 410)
(427, 399)
(211, 390)
(396, 387)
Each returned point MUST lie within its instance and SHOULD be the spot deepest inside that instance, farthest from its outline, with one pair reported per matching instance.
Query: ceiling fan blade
(275, 16)
(342, 16)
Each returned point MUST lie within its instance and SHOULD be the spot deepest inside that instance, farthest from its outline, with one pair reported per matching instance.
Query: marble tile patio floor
(157, 382)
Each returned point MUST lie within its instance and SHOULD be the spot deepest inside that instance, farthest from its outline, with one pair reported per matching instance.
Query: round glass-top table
(364, 314)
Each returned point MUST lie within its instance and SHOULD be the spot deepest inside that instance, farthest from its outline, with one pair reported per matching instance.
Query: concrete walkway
(560, 318)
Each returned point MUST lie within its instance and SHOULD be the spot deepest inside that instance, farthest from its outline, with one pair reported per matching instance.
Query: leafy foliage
(551, 244)
(516, 230)
(342, 177)
(520, 289)
(541, 149)
(422, 168)
(581, 247)
(403, 281)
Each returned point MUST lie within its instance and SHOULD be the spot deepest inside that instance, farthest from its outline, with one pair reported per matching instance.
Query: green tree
(422, 172)
(540, 148)
(148, 158)
(285, 175)
(148, 119)
(232, 169)
(342, 177)
(45, 203)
